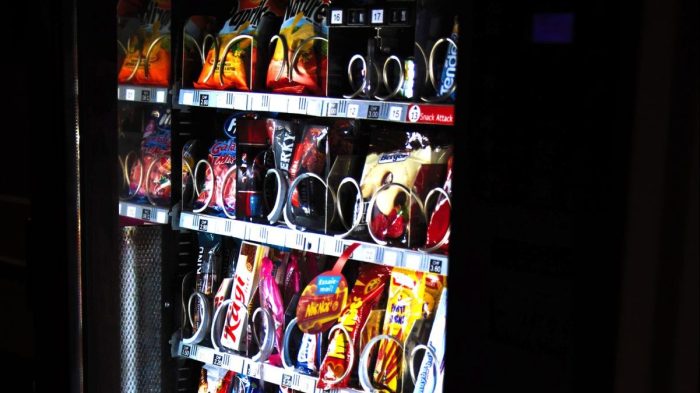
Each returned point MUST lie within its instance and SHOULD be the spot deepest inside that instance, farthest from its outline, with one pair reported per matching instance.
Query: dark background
(576, 267)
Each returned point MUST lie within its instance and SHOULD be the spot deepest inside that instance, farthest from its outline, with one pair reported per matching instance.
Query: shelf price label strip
(145, 213)
(317, 243)
(403, 112)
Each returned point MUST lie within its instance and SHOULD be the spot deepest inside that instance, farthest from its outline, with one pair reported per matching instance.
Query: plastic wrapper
(404, 307)
(155, 155)
(255, 18)
(449, 70)
(303, 30)
(292, 279)
(309, 354)
(253, 159)
(147, 61)
(208, 268)
(244, 285)
(439, 222)
(413, 162)
(365, 295)
(271, 300)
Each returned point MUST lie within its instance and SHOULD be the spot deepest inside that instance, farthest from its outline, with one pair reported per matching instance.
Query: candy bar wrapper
(373, 326)
(426, 379)
(434, 284)
(292, 279)
(304, 19)
(218, 380)
(271, 300)
(365, 295)
(309, 353)
(256, 18)
(405, 305)
(223, 292)
(244, 285)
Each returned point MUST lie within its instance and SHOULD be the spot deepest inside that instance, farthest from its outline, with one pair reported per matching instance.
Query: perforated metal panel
(141, 262)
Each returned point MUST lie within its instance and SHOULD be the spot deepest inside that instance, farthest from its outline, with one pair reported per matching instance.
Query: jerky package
(300, 59)
(239, 59)
(284, 136)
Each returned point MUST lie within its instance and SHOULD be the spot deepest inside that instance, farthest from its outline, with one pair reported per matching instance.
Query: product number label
(240, 102)
(395, 113)
(390, 257)
(353, 110)
(162, 217)
(377, 16)
(314, 107)
(131, 211)
(414, 113)
(160, 96)
(130, 94)
(221, 100)
(188, 98)
(336, 17)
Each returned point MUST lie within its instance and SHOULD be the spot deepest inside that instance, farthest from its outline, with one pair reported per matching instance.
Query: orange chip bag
(147, 60)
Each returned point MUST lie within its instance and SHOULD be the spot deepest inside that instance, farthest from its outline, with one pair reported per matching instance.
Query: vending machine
(284, 195)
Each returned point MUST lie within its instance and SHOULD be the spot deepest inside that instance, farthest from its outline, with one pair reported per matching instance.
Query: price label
(131, 211)
(336, 17)
(160, 96)
(365, 253)
(146, 214)
(130, 94)
(204, 100)
(221, 360)
(332, 109)
(145, 95)
(413, 260)
(435, 265)
(377, 16)
(276, 236)
(258, 233)
(203, 225)
(373, 111)
(278, 103)
(252, 369)
(185, 351)
(187, 98)
(238, 229)
(296, 105)
(221, 100)
(390, 257)
(240, 102)
(395, 113)
(162, 217)
(314, 107)
(261, 102)
(353, 110)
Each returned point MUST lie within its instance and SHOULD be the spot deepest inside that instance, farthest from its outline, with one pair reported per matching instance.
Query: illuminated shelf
(317, 243)
(393, 111)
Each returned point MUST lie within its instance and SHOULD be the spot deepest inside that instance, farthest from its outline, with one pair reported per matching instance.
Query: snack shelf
(154, 214)
(142, 93)
(266, 372)
(314, 242)
(393, 111)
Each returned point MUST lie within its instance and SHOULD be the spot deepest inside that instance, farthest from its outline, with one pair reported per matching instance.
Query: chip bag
(299, 62)
(149, 179)
(147, 60)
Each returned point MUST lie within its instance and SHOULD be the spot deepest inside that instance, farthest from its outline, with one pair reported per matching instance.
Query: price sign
(336, 17)
(204, 100)
(146, 214)
(130, 94)
(395, 113)
(203, 225)
(145, 95)
(377, 16)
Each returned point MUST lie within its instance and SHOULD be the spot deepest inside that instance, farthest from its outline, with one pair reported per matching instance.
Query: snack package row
(345, 178)
(352, 325)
